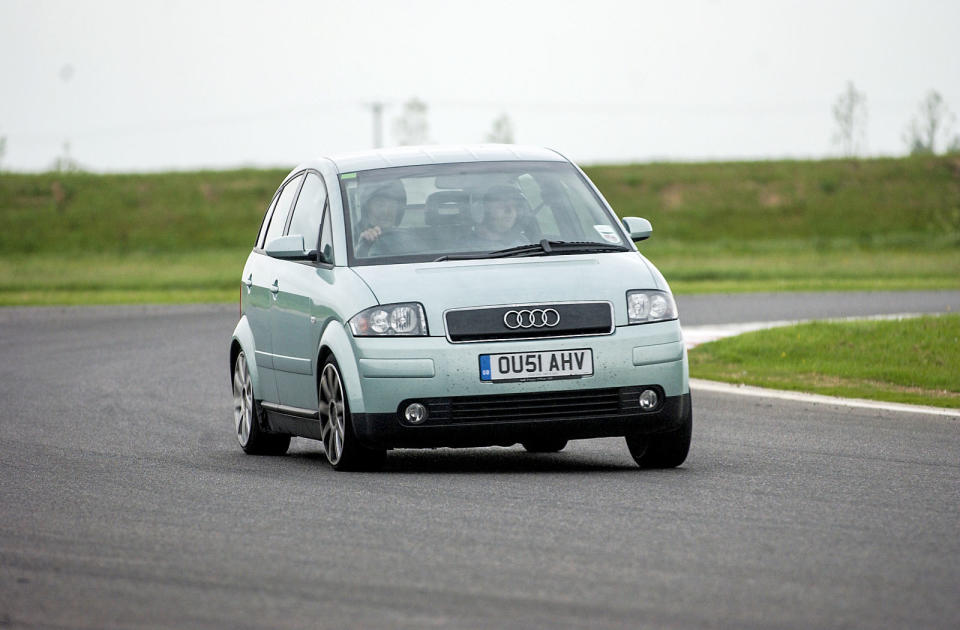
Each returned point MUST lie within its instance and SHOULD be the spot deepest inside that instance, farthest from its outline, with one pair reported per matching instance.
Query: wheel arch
(335, 341)
(242, 339)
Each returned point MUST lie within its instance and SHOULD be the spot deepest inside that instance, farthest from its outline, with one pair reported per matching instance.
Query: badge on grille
(531, 318)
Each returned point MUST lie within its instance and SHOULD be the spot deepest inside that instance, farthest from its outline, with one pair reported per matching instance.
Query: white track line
(761, 392)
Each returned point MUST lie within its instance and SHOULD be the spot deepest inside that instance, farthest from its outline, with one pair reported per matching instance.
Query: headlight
(390, 320)
(644, 307)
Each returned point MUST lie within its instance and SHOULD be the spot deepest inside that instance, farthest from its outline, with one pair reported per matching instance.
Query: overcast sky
(139, 85)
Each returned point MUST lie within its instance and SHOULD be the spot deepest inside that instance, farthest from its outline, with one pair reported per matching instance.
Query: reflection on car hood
(458, 284)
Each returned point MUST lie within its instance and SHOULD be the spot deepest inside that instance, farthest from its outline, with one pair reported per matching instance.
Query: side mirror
(289, 248)
(639, 229)
(326, 255)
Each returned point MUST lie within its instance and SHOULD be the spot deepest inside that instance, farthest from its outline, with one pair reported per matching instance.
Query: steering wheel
(389, 242)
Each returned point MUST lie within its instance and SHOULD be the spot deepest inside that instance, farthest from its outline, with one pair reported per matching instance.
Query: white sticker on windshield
(608, 234)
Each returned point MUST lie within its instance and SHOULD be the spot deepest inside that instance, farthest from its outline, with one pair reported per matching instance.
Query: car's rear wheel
(544, 445)
(247, 416)
(663, 450)
(340, 443)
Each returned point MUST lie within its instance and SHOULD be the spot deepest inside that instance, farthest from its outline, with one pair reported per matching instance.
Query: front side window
(309, 210)
(420, 213)
(279, 218)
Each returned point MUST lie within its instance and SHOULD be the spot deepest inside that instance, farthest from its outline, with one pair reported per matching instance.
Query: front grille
(488, 323)
(532, 407)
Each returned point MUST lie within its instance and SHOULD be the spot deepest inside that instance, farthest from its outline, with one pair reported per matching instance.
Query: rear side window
(279, 217)
(309, 210)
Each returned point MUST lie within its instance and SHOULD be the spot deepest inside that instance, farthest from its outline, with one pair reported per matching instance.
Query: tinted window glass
(308, 211)
(419, 213)
(279, 218)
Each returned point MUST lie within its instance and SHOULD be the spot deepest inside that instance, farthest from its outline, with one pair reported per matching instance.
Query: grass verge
(830, 225)
(138, 278)
(697, 268)
(214, 275)
(908, 361)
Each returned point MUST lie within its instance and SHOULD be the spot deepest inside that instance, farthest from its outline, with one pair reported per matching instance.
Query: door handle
(275, 287)
(249, 281)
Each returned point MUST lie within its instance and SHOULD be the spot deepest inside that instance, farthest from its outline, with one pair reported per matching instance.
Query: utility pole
(377, 109)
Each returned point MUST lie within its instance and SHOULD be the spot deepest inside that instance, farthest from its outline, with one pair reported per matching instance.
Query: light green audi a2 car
(454, 297)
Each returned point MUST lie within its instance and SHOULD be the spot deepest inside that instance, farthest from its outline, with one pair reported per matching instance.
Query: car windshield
(474, 209)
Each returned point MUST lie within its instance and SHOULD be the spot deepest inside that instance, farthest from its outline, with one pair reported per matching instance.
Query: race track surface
(126, 502)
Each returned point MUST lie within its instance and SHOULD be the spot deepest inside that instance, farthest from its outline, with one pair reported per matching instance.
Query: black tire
(340, 443)
(248, 416)
(545, 445)
(663, 450)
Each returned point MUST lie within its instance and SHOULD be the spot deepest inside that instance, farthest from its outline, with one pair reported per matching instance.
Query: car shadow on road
(487, 460)
(307, 456)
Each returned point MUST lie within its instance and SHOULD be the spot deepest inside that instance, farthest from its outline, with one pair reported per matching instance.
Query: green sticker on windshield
(348, 176)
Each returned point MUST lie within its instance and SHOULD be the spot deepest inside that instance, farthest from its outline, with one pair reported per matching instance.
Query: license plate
(517, 366)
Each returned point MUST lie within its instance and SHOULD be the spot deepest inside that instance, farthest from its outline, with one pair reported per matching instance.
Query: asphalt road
(698, 310)
(125, 502)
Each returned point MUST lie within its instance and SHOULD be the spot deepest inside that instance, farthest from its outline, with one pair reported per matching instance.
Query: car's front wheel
(340, 443)
(247, 416)
(663, 450)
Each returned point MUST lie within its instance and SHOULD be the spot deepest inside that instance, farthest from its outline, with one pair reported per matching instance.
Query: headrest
(447, 207)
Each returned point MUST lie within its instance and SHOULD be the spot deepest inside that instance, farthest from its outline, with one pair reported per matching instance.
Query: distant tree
(931, 123)
(411, 126)
(850, 116)
(3, 148)
(502, 132)
(65, 163)
(954, 146)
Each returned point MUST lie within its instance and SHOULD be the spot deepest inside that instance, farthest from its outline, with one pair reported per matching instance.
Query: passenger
(383, 209)
(502, 206)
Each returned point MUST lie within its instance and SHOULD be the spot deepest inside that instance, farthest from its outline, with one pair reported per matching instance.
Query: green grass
(213, 275)
(90, 278)
(78, 238)
(752, 226)
(910, 361)
(700, 268)
(912, 202)
(176, 213)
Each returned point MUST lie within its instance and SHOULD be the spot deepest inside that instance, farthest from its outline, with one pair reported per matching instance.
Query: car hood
(440, 286)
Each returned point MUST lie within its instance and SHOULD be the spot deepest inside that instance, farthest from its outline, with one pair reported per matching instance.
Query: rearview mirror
(639, 229)
(289, 248)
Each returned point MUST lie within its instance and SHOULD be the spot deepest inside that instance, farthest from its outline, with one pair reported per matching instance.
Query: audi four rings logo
(531, 318)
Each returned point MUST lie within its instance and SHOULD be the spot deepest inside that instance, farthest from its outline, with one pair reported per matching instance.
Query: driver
(501, 209)
(383, 209)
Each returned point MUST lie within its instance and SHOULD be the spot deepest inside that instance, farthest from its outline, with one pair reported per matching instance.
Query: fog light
(415, 413)
(648, 400)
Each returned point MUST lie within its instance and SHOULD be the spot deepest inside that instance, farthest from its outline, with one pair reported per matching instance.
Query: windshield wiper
(543, 248)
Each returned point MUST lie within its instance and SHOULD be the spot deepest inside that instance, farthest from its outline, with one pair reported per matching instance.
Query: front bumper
(395, 371)
(390, 430)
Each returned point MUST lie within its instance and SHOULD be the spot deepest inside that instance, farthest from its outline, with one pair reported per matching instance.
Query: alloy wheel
(332, 417)
(242, 400)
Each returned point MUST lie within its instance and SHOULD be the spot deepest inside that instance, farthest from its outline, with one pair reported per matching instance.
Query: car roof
(441, 154)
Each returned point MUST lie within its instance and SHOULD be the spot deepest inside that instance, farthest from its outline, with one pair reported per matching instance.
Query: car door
(259, 279)
(293, 313)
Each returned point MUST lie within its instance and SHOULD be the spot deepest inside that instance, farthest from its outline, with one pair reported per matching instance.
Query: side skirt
(292, 420)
